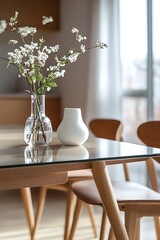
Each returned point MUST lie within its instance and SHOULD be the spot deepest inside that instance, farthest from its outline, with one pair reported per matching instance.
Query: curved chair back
(110, 129)
(149, 133)
(107, 128)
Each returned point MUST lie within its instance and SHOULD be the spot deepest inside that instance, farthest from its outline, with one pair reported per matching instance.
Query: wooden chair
(148, 133)
(113, 129)
(134, 199)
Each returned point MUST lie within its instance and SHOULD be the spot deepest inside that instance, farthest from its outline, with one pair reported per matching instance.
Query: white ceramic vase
(72, 130)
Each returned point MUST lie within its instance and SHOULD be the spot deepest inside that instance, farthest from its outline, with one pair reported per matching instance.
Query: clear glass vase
(38, 127)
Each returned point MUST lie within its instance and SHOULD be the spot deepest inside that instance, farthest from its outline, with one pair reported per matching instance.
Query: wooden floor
(13, 224)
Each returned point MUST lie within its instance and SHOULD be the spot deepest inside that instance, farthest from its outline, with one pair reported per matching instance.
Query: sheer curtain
(104, 88)
(103, 93)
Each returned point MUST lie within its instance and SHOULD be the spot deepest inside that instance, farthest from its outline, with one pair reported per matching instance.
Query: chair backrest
(107, 128)
(149, 133)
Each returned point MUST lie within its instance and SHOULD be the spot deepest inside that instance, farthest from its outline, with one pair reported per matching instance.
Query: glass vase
(38, 127)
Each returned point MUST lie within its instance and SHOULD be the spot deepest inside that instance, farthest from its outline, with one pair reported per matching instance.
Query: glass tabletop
(15, 153)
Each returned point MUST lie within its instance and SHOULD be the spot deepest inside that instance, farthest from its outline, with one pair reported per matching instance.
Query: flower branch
(32, 60)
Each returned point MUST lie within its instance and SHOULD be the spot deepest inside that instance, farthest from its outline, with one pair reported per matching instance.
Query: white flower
(31, 60)
(25, 31)
(83, 48)
(15, 57)
(47, 20)
(63, 72)
(59, 73)
(13, 20)
(13, 42)
(75, 30)
(16, 14)
(80, 38)
(42, 57)
(73, 57)
(27, 64)
(33, 46)
(48, 89)
(32, 72)
(55, 48)
(51, 68)
(101, 45)
(25, 71)
(3, 26)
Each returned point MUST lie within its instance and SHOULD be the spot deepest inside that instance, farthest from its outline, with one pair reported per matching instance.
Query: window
(140, 59)
(156, 60)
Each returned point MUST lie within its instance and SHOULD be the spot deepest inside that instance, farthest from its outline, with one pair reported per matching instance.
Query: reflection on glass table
(72, 153)
(38, 154)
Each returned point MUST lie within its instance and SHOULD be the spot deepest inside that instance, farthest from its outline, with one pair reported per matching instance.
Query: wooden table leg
(40, 207)
(102, 180)
(28, 205)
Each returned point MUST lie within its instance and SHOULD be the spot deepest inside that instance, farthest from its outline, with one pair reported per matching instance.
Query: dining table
(24, 167)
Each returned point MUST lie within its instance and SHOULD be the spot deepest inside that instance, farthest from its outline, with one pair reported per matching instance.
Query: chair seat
(128, 192)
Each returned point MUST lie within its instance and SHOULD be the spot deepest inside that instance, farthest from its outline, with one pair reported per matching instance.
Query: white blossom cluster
(31, 58)
(3, 26)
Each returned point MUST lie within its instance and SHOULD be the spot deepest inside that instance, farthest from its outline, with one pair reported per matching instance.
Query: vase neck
(72, 114)
(37, 104)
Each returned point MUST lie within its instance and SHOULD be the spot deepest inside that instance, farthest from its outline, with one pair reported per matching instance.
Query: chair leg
(77, 212)
(111, 234)
(69, 212)
(152, 174)
(103, 225)
(28, 205)
(131, 221)
(92, 217)
(157, 227)
(126, 171)
(154, 183)
(40, 207)
(138, 228)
